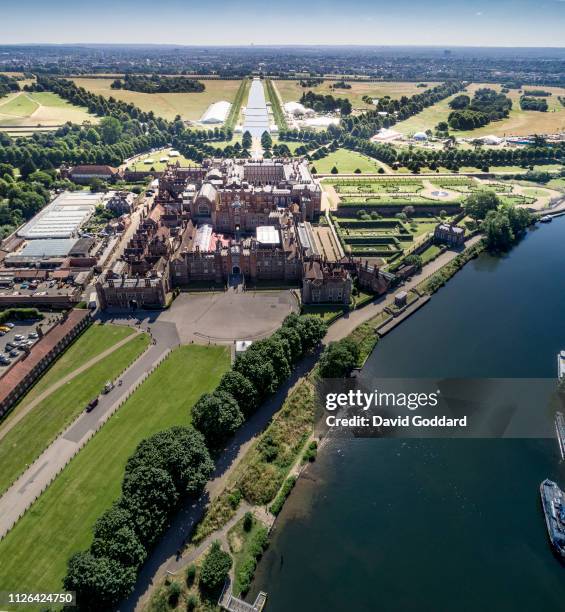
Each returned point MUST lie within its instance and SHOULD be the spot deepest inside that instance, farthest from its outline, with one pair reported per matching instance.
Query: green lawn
(20, 105)
(28, 438)
(40, 108)
(34, 554)
(95, 340)
(346, 162)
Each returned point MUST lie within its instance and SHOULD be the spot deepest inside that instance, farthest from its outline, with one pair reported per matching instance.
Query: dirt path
(13, 422)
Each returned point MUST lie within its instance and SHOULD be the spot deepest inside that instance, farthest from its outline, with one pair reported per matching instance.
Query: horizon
(443, 23)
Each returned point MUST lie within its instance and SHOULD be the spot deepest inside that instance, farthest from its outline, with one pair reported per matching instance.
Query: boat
(546, 219)
(560, 431)
(553, 503)
(560, 365)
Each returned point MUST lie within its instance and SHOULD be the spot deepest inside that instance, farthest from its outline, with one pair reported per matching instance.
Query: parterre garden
(386, 217)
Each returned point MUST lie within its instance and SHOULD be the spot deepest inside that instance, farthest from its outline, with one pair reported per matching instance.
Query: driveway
(223, 317)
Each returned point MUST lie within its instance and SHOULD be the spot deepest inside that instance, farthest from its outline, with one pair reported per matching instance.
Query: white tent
(216, 113)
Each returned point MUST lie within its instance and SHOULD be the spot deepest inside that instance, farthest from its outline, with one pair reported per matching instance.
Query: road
(7, 426)
(41, 472)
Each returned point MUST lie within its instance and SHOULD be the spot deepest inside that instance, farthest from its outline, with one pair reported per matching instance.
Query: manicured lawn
(28, 438)
(95, 340)
(139, 165)
(34, 554)
(168, 105)
(41, 108)
(346, 162)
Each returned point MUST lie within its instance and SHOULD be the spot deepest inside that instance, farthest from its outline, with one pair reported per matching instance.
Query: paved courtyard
(223, 317)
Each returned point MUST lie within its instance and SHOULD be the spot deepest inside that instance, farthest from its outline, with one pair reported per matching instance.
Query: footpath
(39, 475)
(346, 324)
(29, 407)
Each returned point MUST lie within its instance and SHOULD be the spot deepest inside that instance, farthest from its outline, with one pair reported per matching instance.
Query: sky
(524, 23)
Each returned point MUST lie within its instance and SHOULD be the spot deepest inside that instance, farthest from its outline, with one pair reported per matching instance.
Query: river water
(438, 525)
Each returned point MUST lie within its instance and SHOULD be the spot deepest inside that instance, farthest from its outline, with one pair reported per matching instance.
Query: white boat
(546, 219)
(560, 365)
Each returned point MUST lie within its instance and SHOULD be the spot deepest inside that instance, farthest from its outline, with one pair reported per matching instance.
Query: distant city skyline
(504, 23)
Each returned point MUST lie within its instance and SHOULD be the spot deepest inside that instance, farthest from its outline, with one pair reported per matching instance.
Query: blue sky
(225, 22)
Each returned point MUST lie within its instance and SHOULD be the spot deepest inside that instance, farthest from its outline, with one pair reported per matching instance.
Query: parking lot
(38, 289)
(17, 337)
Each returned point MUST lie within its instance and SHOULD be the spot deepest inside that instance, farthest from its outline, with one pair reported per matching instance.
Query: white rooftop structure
(173, 153)
(321, 121)
(216, 113)
(242, 345)
(296, 108)
(491, 140)
(420, 136)
(268, 234)
(386, 135)
(203, 237)
(62, 217)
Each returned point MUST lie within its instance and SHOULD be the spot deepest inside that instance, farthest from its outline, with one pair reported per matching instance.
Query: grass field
(346, 162)
(190, 106)
(519, 123)
(34, 554)
(291, 91)
(28, 438)
(95, 340)
(44, 108)
(139, 164)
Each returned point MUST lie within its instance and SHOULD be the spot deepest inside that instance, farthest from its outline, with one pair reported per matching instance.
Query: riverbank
(475, 503)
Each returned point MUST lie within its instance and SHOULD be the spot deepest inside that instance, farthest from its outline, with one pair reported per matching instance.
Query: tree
(149, 494)
(242, 389)
(111, 130)
(246, 140)
(310, 328)
(479, 203)
(339, 359)
(215, 568)
(334, 170)
(181, 452)
(217, 415)
(123, 546)
(260, 372)
(100, 583)
(294, 341)
(266, 140)
(460, 102)
(97, 184)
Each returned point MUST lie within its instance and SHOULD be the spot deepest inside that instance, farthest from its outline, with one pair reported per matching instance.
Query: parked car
(19, 337)
(14, 353)
(92, 405)
(2, 333)
(10, 325)
(108, 387)
(9, 347)
(33, 335)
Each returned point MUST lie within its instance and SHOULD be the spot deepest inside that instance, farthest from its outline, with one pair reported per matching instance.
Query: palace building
(227, 219)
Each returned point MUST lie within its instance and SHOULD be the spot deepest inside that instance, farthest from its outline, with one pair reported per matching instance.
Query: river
(442, 525)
